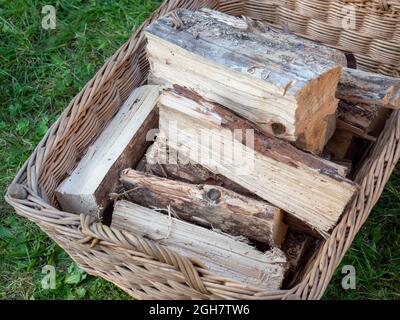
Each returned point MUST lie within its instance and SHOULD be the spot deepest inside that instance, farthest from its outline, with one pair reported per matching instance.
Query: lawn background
(40, 72)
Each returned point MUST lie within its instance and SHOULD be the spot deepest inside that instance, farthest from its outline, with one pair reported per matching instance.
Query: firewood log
(283, 83)
(219, 253)
(158, 163)
(162, 160)
(364, 87)
(120, 145)
(310, 188)
(370, 118)
(208, 205)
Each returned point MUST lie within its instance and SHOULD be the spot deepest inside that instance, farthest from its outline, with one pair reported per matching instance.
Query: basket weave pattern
(144, 268)
(371, 30)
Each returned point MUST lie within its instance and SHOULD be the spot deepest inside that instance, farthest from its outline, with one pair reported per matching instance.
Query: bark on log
(162, 161)
(370, 118)
(355, 122)
(210, 206)
(359, 86)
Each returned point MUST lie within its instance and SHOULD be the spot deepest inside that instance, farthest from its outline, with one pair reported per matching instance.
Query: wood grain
(208, 205)
(312, 189)
(120, 145)
(163, 161)
(282, 83)
(221, 254)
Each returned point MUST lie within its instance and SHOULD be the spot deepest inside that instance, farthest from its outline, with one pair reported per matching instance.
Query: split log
(294, 246)
(306, 186)
(158, 159)
(162, 161)
(207, 205)
(282, 83)
(221, 254)
(119, 146)
(359, 86)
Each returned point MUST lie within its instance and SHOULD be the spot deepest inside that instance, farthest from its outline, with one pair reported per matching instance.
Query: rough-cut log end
(279, 229)
(121, 144)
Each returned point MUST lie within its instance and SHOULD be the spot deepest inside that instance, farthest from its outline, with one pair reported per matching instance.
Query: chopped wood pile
(275, 170)
(259, 136)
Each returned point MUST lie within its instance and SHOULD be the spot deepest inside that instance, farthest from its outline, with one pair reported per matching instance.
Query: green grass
(375, 252)
(40, 72)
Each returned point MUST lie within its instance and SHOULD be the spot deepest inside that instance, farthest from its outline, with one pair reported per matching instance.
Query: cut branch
(208, 205)
(369, 88)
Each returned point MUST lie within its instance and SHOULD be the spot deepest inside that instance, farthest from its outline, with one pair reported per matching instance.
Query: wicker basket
(147, 270)
(370, 30)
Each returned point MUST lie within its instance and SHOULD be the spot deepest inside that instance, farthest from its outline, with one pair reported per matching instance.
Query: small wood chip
(17, 191)
(288, 86)
(176, 20)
